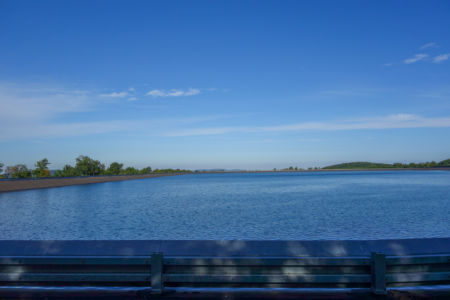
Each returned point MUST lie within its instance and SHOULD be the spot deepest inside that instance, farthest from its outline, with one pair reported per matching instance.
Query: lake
(256, 206)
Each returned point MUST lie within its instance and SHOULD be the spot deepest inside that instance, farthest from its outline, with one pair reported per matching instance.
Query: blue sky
(224, 84)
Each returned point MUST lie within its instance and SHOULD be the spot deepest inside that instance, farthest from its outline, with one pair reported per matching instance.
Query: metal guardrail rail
(161, 275)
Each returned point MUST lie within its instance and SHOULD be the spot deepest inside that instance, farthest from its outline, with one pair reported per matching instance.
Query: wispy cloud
(424, 56)
(386, 122)
(33, 112)
(352, 92)
(415, 58)
(115, 95)
(441, 58)
(32, 102)
(39, 111)
(50, 130)
(27, 107)
(173, 93)
(429, 45)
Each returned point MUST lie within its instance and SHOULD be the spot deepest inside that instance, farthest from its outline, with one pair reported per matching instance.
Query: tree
(147, 170)
(1, 168)
(115, 168)
(130, 171)
(444, 163)
(18, 171)
(87, 166)
(42, 168)
(42, 164)
(67, 171)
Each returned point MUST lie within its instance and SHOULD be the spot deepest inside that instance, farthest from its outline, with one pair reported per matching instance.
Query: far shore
(30, 184)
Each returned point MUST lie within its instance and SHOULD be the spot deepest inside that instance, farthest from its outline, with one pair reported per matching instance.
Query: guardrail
(217, 270)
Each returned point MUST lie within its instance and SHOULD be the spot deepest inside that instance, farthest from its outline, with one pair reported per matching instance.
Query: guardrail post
(157, 273)
(378, 271)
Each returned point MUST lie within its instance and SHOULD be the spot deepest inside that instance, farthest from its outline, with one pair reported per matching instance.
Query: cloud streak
(386, 122)
(33, 112)
(115, 95)
(40, 111)
(441, 58)
(429, 45)
(415, 58)
(173, 93)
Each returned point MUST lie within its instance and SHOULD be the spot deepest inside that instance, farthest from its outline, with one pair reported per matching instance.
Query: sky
(224, 84)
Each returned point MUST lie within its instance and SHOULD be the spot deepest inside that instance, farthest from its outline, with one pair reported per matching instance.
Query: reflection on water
(325, 205)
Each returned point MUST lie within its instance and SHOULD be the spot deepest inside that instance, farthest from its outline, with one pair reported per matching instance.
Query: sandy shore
(28, 184)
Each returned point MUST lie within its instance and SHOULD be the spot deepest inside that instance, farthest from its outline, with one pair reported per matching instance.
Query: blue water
(266, 206)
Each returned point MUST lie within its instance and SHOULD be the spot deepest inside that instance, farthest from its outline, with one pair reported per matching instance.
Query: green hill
(371, 165)
(359, 165)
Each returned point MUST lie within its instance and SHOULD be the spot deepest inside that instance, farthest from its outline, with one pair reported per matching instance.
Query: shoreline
(52, 182)
(325, 170)
(32, 184)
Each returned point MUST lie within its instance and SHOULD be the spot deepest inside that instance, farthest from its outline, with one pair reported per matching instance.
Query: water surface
(266, 206)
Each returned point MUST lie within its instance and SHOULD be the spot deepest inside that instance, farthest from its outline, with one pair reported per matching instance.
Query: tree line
(371, 165)
(84, 166)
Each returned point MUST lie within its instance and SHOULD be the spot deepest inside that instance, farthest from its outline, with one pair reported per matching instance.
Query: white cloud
(132, 99)
(441, 58)
(115, 95)
(428, 45)
(385, 122)
(415, 58)
(156, 93)
(173, 93)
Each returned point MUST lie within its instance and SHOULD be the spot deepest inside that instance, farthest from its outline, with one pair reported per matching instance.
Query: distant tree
(115, 168)
(18, 171)
(41, 168)
(146, 170)
(291, 168)
(42, 164)
(1, 168)
(58, 173)
(67, 171)
(173, 171)
(130, 171)
(87, 166)
(444, 163)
